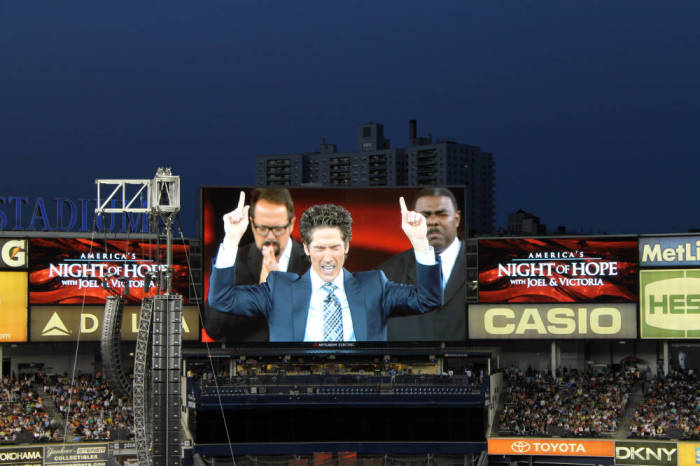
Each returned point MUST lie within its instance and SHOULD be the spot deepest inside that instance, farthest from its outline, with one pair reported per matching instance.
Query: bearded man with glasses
(271, 221)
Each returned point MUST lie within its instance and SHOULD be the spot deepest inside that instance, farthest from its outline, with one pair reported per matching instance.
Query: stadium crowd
(670, 407)
(23, 416)
(581, 404)
(92, 409)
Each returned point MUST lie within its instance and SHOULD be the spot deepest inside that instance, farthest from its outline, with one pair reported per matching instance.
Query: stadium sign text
(80, 454)
(670, 303)
(67, 323)
(13, 254)
(25, 456)
(552, 321)
(558, 270)
(550, 447)
(669, 251)
(646, 453)
(64, 214)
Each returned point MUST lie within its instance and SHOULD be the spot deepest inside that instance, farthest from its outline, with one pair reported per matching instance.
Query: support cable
(77, 346)
(209, 353)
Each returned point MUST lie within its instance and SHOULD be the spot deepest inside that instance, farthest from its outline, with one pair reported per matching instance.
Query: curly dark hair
(325, 215)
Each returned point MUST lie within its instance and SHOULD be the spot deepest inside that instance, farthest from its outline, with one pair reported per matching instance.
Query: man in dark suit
(439, 207)
(272, 221)
(327, 303)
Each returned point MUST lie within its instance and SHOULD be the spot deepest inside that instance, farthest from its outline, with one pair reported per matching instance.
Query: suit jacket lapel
(356, 304)
(254, 262)
(458, 274)
(300, 299)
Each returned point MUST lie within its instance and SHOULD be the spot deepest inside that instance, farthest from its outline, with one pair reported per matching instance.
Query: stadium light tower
(156, 386)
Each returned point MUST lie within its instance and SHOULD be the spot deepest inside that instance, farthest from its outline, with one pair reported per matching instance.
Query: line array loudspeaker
(110, 346)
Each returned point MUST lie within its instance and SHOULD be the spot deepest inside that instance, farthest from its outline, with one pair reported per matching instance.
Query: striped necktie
(332, 315)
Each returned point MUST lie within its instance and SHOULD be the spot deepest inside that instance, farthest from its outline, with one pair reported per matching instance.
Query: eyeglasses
(276, 230)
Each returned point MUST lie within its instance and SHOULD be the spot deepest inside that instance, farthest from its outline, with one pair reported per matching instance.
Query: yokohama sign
(551, 447)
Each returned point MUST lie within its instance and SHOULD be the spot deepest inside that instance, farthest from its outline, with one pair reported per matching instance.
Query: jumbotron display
(558, 270)
(270, 240)
(74, 270)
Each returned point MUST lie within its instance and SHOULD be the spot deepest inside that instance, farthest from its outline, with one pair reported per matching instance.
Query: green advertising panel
(669, 303)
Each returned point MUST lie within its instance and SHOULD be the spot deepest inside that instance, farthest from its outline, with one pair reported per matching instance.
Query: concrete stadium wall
(57, 358)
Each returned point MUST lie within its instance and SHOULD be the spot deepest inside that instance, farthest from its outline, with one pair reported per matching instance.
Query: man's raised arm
(415, 227)
(236, 223)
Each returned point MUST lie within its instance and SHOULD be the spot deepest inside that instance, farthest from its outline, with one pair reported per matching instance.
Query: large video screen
(558, 270)
(76, 270)
(378, 241)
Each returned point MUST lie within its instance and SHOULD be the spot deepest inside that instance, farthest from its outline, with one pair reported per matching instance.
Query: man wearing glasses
(271, 221)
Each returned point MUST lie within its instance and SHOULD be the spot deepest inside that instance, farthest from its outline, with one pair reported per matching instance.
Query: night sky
(590, 107)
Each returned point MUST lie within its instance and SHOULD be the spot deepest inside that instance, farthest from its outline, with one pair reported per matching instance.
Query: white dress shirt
(314, 321)
(448, 257)
(226, 257)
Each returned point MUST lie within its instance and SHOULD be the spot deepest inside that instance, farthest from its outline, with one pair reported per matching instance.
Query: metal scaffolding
(156, 386)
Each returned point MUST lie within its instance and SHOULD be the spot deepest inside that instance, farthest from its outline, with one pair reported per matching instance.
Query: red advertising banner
(74, 270)
(558, 270)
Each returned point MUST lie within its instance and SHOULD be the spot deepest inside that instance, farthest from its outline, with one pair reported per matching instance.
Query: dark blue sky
(591, 108)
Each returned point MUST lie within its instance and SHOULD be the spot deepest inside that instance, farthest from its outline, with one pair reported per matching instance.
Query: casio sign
(560, 320)
(546, 321)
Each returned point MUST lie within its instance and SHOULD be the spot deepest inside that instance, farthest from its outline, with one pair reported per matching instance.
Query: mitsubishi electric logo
(55, 327)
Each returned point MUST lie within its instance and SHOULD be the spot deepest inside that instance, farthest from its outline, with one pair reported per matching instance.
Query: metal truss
(157, 418)
(162, 194)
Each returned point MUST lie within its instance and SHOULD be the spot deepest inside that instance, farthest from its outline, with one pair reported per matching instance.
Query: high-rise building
(423, 163)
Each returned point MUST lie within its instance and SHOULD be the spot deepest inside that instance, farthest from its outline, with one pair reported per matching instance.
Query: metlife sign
(669, 251)
(669, 303)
